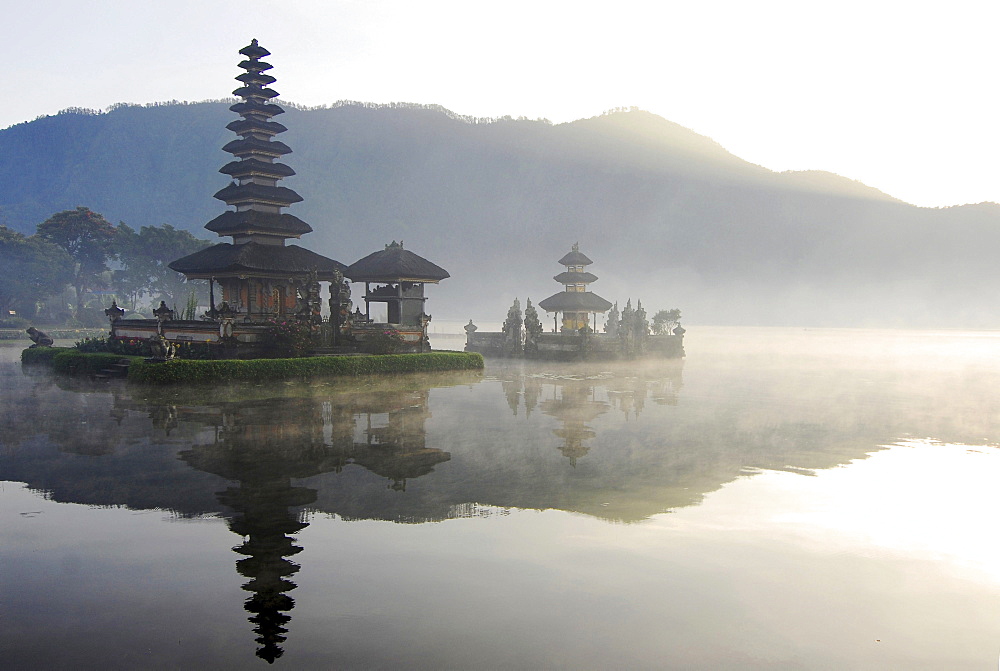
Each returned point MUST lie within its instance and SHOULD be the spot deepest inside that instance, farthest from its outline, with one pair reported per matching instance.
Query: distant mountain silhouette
(667, 215)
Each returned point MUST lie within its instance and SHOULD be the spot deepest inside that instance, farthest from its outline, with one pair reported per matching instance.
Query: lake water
(782, 499)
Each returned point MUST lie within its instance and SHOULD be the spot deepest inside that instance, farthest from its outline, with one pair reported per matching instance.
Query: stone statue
(313, 300)
(40, 338)
(301, 298)
(470, 330)
(611, 325)
(225, 311)
(425, 340)
(162, 349)
(340, 302)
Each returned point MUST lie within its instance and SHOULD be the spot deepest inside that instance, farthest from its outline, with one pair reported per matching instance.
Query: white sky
(899, 95)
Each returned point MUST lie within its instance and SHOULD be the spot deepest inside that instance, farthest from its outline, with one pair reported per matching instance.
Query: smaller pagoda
(575, 302)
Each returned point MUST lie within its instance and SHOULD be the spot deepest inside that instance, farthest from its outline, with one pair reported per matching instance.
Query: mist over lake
(782, 498)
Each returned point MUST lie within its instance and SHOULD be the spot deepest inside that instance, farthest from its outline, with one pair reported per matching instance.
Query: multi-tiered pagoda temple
(575, 302)
(261, 276)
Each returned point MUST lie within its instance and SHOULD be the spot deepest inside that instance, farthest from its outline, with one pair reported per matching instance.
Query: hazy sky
(899, 95)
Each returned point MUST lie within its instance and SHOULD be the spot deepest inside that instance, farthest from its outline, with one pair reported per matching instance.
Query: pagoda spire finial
(254, 191)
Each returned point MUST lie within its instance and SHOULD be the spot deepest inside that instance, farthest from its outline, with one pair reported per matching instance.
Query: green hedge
(71, 360)
(74, 362)
(42, 354)
(261, 370)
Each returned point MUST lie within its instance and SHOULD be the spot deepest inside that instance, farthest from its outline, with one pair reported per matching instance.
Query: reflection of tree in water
(573, 397)
(263, 446)
(79, 423)
(511, 386)
(628, 393)
(532, 392)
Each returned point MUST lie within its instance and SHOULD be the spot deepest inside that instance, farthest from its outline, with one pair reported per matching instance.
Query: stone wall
(575, 346)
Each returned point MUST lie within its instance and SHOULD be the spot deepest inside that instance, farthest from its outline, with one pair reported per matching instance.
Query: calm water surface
(801, 499)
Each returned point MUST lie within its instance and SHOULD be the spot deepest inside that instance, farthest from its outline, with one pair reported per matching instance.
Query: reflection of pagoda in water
(397, 450)
(262, 453)
(263, 446)
(574, 407)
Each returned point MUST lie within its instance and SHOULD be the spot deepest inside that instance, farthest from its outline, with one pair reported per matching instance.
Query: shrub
(198, 350)
(288, 339)
(388, 341)
(92, 345)
(71, 334)
(82, 363)
(33, 355)
(114, 345)
(129, 346)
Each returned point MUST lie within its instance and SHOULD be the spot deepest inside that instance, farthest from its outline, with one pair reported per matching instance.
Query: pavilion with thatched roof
(399, 276)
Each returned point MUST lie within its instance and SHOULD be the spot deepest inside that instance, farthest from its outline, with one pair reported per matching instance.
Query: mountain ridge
(668, 215)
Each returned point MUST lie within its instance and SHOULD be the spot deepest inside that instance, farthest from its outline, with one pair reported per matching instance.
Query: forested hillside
(667, 215)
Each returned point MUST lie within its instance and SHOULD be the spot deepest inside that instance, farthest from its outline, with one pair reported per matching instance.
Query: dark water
(781, 499)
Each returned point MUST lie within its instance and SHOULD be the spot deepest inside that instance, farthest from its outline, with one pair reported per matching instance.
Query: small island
(265, 317)
(627, 335)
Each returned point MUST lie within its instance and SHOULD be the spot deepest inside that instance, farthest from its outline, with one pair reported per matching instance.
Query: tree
(143, 258)
(665, 321)
(131, 279)
(33, 269)
(159, 246)
(89, 240)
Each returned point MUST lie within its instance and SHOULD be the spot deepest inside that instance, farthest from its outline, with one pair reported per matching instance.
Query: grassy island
(72, 361)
